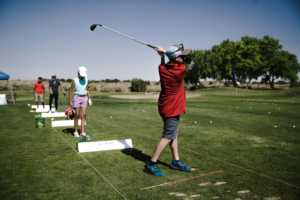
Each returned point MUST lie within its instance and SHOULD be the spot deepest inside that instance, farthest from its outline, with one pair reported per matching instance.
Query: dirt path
(150, 96)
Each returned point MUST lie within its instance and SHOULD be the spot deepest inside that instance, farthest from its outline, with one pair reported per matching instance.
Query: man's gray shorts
(37, 97)
(171, 127)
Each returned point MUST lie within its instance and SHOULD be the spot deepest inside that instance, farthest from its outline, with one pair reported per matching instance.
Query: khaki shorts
(37, 97)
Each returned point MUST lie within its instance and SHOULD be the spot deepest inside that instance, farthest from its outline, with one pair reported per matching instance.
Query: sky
(45, 38)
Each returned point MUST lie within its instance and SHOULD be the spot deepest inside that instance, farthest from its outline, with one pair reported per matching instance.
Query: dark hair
(73, 115)
(40, 78)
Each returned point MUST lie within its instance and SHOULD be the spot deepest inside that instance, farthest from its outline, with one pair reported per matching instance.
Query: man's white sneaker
(55, 111)
(76, 134)
(83, 134)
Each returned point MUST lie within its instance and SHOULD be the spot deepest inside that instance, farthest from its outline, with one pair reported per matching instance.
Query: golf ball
(210, 121)
(279, 108)
(269, 112)
(110, 116)
(294, 126)
(28, 104)
(275, 126)
(181, 119)
(143, 110)
(237, 107)
(195, 122)
(250, 107)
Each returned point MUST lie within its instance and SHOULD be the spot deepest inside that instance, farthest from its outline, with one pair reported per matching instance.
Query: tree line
(238, 61)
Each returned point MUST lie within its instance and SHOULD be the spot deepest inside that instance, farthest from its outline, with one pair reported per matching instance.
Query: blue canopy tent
(4, 76)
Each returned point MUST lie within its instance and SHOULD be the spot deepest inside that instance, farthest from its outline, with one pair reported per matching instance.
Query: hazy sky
(42, 38)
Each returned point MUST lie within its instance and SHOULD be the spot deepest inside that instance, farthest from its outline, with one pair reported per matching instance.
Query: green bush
(227, 84)
(210, 82)
(62, 80)
(128, 81)
(3, 87)
(157, 83)
(93, 87)
(138, 85)
(69, 80)
(118, 89)
(296, 84)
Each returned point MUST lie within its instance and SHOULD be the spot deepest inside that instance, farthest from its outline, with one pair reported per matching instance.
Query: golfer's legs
(174, 148)
(50, 101)
(77, 112)
(36, 99)
(83, 116)
(159, 149)
(56, 101)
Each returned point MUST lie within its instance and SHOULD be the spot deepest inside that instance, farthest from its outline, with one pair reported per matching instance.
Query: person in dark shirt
(53, 88)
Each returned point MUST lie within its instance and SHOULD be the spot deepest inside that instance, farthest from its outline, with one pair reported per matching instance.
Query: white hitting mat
(40, 106)
(44, 110)
(61, 123)
(104, 145)
(59, 114)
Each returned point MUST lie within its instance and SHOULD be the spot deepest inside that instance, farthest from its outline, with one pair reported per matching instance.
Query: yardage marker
(169, 183)
(88, 163)
(202, 155)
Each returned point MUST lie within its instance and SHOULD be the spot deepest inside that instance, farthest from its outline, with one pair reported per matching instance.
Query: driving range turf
(44, 164)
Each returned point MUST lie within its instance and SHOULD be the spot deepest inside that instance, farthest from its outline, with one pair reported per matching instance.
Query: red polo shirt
(171, 100)
(38, 88)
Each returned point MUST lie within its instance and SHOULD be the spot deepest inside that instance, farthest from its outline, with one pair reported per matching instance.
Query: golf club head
(93, 27)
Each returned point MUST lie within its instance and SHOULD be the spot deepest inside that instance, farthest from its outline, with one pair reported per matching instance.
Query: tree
(252, 68)
(63, 80)
(69, 80)
(202, 66)
(277, 63)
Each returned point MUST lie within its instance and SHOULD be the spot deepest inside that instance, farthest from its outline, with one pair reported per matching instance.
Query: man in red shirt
(171, 104)
(39, 91)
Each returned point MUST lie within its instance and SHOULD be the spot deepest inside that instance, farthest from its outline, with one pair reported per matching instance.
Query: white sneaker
(83, 134)
(49, 111)
(76, 134)
(55, 111)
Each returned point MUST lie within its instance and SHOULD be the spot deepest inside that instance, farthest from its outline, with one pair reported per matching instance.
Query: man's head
(53, 77)
(40, 79)
(82, 72)
(177, 52)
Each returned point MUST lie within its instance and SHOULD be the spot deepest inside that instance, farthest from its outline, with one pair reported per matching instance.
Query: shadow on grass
(137, 154)
(68, 131)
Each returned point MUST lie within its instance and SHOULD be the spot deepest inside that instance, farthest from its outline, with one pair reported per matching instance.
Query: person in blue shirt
(81, 97)
(53, 88)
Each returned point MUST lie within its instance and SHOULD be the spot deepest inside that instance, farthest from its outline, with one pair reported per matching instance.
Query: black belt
(80, 95)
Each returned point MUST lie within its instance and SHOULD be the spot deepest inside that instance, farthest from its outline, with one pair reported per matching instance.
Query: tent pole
(11, 92)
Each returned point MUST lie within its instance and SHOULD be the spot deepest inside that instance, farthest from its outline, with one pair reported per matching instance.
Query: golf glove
(64, 93)
(161, 54)
(90, 102)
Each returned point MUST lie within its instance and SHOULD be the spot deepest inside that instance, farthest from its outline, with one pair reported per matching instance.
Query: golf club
(95, 25)
(65, 102)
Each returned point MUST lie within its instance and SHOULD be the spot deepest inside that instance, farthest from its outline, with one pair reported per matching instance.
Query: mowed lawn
(249, 136)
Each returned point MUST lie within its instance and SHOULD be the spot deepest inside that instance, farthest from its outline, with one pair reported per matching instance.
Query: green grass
(40, 164)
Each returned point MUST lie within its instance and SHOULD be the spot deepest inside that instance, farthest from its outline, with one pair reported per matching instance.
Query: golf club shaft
(125, 36)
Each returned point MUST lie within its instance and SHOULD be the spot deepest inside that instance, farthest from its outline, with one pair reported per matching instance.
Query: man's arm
(43, 90)
(34, 91)
(50, 88)
(61, 87)
(70, 93)
(161, 51)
